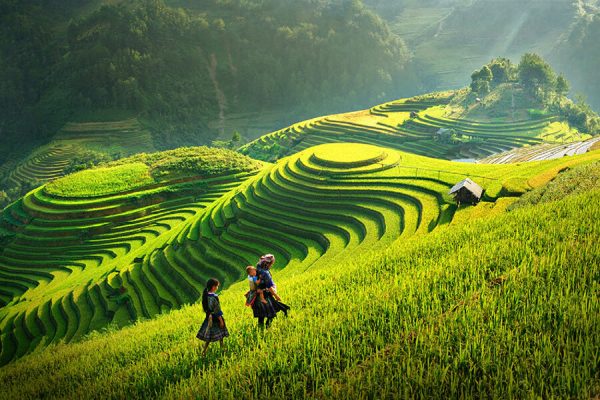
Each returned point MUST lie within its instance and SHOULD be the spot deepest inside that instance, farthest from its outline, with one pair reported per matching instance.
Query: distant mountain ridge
(450, 38)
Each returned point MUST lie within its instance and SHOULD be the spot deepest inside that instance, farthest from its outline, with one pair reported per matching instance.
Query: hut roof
(469, 185)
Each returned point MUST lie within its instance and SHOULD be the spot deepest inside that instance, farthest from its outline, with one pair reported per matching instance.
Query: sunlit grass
(502, 307)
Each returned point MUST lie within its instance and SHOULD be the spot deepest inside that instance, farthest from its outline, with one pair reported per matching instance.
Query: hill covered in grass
(61, 242)
(440, 126)
(78, 145)
(137, 237)
(507, 106)
(502, 307)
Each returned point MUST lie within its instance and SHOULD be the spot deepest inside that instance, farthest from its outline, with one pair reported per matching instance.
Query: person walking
(267, 310)
(213, 328)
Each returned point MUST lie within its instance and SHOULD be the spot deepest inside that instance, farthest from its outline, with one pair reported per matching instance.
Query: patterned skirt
(212, 333)
(269, 310)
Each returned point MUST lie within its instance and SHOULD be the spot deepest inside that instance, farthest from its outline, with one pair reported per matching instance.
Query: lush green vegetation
(581, 179)
(258, 56)
(539, 81)
(78, 145)
(102, 181)
(65, 244)
(189, 161)
(450, 125)
(409, 295)
(79, 258)
(504, 307)
(181, 64)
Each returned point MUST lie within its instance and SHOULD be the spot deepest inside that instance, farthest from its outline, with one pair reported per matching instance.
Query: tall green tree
(535, 74)
(481, 79)
(502, 70)
(562, 85)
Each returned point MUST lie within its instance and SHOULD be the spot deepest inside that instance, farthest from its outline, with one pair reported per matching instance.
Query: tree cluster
(184, 65)
(498, 71)
(541, 82)
(533, 73)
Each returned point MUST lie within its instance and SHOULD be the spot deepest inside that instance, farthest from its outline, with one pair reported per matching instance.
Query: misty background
(195, 71)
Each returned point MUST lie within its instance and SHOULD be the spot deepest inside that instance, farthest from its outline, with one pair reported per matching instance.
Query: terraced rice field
(45, 164)
(76, 264)
(7, 166)
(49, 162)
(410, 105)
(413, 125)
(312, 207)
(64, 272)
(118, 135)
(427, 318)
(542, 152)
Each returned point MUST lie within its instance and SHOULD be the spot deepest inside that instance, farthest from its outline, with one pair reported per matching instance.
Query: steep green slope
(503, 308)
(443, 125)
(578, 54)
(64, 244)
(451, 38)
(73, 264)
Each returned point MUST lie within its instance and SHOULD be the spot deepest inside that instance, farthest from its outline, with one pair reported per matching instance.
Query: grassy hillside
(469, 130)
(76, 146)
(578, 55)
(503, 307)
(64, 244)
(451, 38)
(79, 254)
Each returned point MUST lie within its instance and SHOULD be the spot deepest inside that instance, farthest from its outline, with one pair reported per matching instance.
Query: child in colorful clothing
(254, 290)
(213, 328)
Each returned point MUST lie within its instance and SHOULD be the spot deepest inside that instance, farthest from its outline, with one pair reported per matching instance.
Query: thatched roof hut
(467, 191)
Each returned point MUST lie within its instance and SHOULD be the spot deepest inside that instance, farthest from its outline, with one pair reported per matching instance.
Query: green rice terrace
(63, 240)
(435, 125)
(501, 306)
(49, 162)
(139, 237)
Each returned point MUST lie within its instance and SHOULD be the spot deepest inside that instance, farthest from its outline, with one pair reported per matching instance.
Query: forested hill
(187, 66)
(450, 38)
(187, 61)
(579, 53)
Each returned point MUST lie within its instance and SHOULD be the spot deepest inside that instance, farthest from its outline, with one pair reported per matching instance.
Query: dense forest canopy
(163, 61)
(182, 64)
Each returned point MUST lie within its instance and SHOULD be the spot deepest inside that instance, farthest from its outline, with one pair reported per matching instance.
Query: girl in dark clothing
(269, 309)
(213, 328)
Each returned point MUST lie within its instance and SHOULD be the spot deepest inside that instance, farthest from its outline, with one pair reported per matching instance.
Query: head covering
(266, 260)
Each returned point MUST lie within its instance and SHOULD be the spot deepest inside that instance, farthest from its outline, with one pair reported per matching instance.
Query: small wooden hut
(466, 191)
